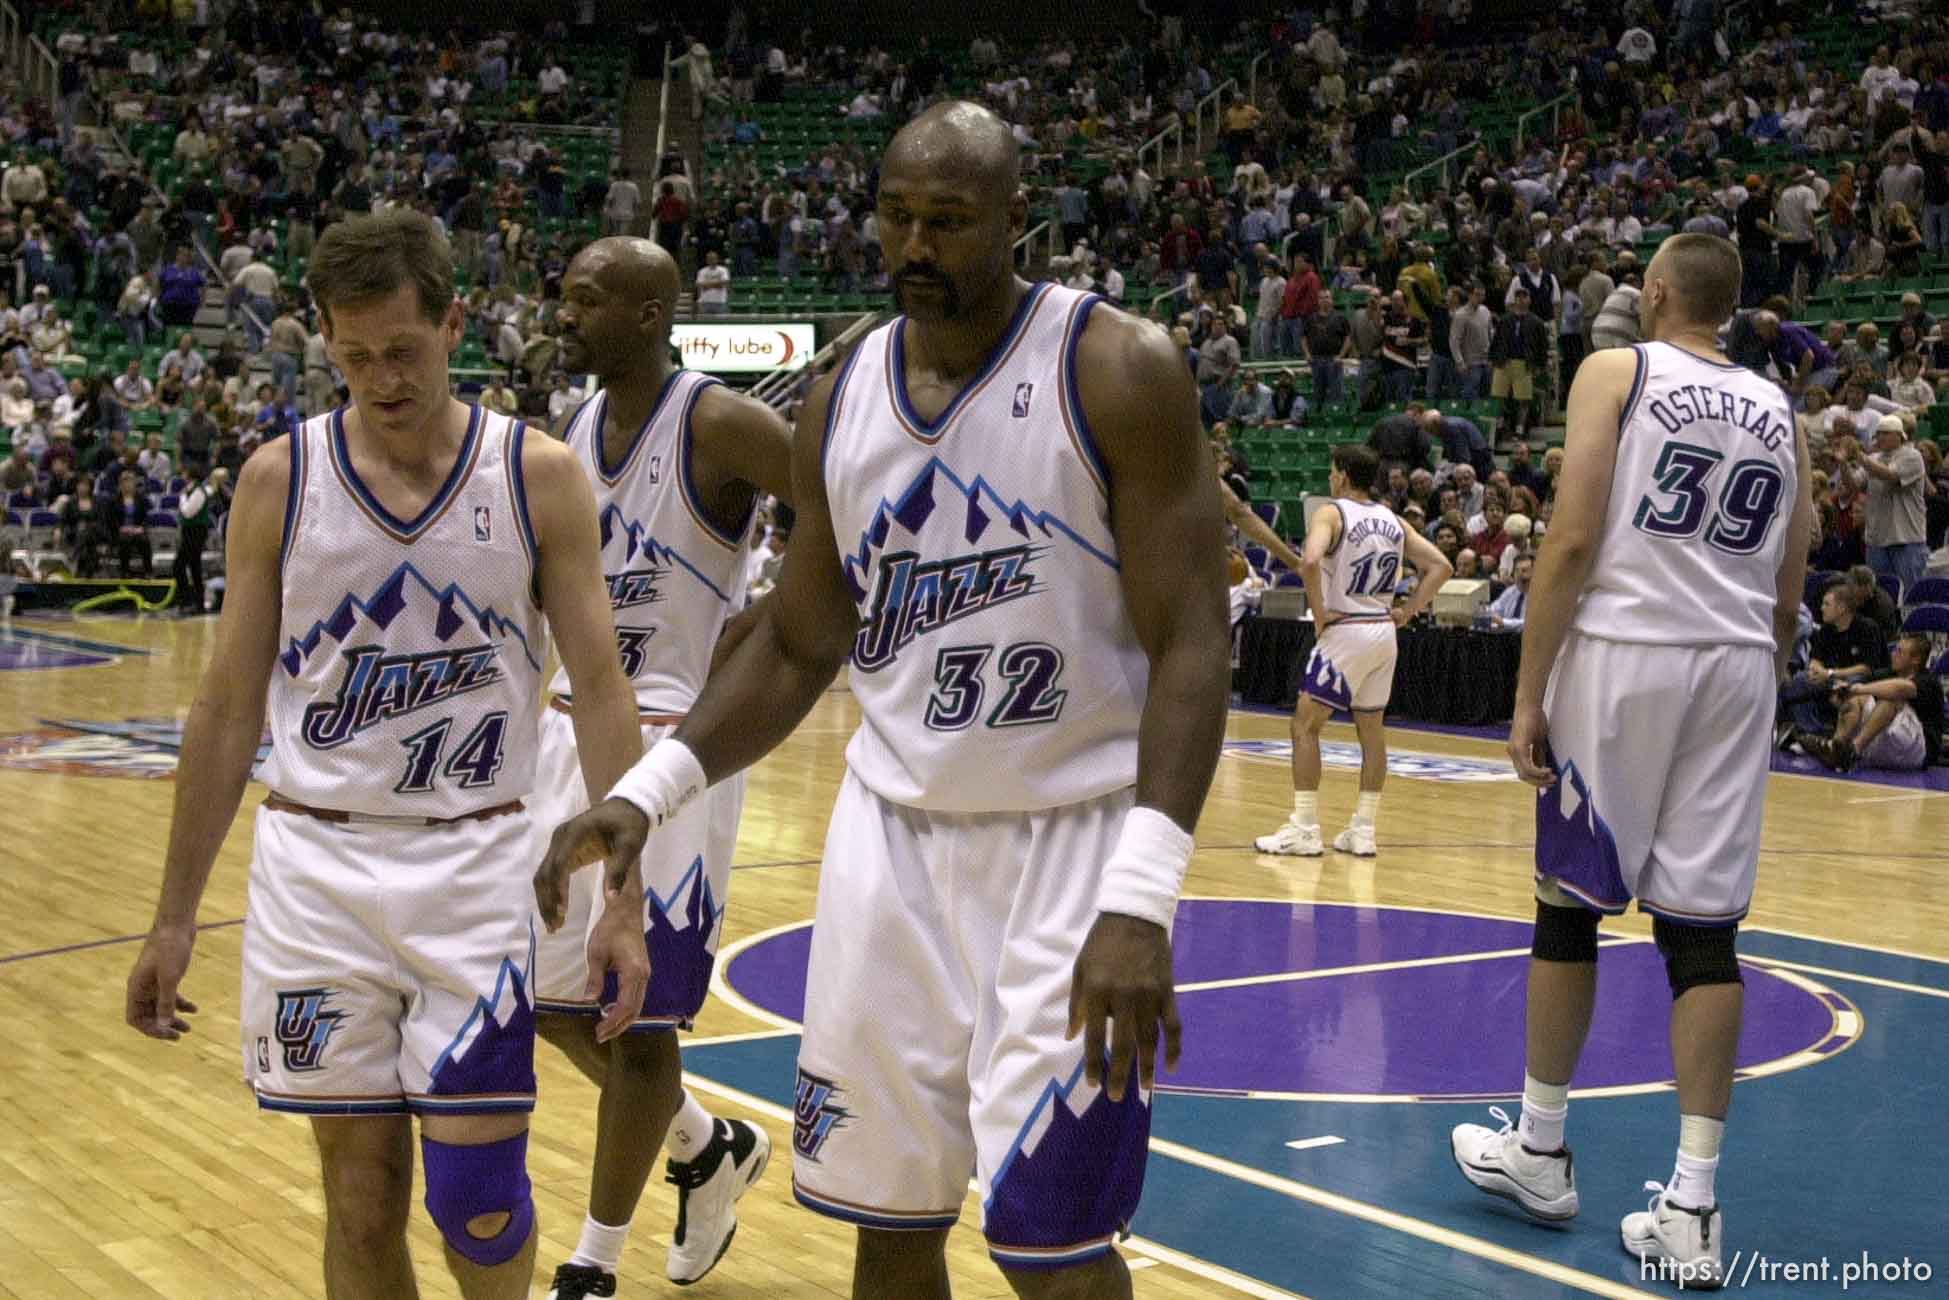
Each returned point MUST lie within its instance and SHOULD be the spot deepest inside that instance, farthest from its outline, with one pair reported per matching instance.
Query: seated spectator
(16, 406)
(1872, 599)
(154, 462)
(1288, 407)
(1508, 610)
(80, 527)
(1846, 647)
(1488, 544)
(1252, 403)
(125, 519)
(132, 389)
(20, 473)
(1892, 721)
(1910, 389)
(183, 360)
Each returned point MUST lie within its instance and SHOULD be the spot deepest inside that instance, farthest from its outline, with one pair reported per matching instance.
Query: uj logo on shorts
(817, 1114)
(305, 1027)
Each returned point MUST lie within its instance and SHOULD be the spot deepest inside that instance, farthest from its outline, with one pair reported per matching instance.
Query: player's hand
(1400, 615)
(612, 833)
(1529, 746)
(618, 945)
(1123, 976)
(154, 1006)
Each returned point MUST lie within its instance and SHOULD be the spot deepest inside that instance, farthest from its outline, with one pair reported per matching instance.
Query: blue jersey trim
(294, 497)
(332, 1106)
(868, 1218)
(832, 403)
(597, 451)
(1073, 397)
(688, 483)
(408, 531)
(517, 476)
(1639, 375)
(898, 379)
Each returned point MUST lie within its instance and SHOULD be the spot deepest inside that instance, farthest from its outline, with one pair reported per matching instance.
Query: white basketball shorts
(686, 878)
(936, 1004)
(1352, 666)
(386, 967)
(1661, 757)
(1901, 747)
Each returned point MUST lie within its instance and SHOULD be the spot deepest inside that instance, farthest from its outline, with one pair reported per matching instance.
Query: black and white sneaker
(577, 1281)
(708, 1189)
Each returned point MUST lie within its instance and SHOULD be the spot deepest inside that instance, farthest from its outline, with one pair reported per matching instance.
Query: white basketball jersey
(1705, 482)
(673, 577)
(410, 652)
(1361, 570)
(996, 666)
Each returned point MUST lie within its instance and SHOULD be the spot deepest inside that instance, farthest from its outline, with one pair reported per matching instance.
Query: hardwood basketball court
(1304, 1155)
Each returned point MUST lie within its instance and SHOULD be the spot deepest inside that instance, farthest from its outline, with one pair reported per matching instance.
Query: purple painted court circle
(1282, 999)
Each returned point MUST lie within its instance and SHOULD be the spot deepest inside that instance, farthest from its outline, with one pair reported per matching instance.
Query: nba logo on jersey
(1022, 394)
(483, 524)
(815, 1116)
(304, 1027)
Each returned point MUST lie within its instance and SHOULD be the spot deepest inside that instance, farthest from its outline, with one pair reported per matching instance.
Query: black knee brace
(1564, 933)
(1696, 954)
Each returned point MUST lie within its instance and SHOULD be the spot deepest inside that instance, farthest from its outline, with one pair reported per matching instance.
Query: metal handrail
(11, 28)
(40, 75)
(1554, 108)
(1027, 242)
(1252, 75)
(1175, 127)
(1198, 116)
(1408, 181)
(663, 106)
(774, 388)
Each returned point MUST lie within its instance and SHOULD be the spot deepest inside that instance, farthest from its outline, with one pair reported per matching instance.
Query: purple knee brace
(465, 1182)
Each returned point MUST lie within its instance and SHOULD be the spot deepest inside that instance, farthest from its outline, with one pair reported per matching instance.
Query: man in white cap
(1894, 529)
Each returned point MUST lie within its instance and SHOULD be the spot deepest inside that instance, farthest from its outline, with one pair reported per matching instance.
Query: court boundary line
(1242, 1283)
(1798, 1059)
(62, 949)
(1898, 985)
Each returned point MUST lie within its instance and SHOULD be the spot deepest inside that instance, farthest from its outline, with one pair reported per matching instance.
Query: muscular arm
(1899, 689)
(802, 632)
(1583, 497)
(1321, 535)
(1143, 410)
(1240, 516)
(227, 718)
(739, 439)
(563, 510)
(1792, 583)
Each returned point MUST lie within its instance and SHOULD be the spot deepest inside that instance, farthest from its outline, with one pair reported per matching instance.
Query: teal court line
(1352, 1220)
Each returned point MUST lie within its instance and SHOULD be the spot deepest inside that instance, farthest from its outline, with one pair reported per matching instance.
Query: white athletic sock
(690, 1131)
(1368, 809)
(1699, 1137)
(602, 1245)
(1306, 807)
(1545, 1106)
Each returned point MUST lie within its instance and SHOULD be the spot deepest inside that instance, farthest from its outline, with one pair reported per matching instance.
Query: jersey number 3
(1747, 504)
(1029, 669)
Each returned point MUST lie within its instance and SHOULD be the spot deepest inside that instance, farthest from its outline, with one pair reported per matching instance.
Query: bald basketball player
(1008, 523)
(676, 460)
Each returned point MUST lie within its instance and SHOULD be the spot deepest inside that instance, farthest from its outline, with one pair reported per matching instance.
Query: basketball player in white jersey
(675, 459)
(1008, 522)
(1662, 613)
(1351, 561)
(389, 566)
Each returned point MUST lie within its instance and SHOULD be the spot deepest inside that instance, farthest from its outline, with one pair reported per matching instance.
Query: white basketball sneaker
(708, 1189)
(1357, 839)
(1686, 1243)
(1496, 1161)
(1292, 840)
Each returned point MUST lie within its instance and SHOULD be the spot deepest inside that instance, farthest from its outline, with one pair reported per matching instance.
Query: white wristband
(663, 781)
(1145, 873)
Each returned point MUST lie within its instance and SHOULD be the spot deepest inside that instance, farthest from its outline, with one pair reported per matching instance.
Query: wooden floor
(131, 1168)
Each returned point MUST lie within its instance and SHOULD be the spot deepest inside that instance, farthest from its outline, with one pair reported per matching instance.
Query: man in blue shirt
(1508, 610)
(1799, 356)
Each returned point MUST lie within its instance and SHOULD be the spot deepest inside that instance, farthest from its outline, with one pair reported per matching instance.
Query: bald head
(634, 270)
(606, 317)
(957, 142)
